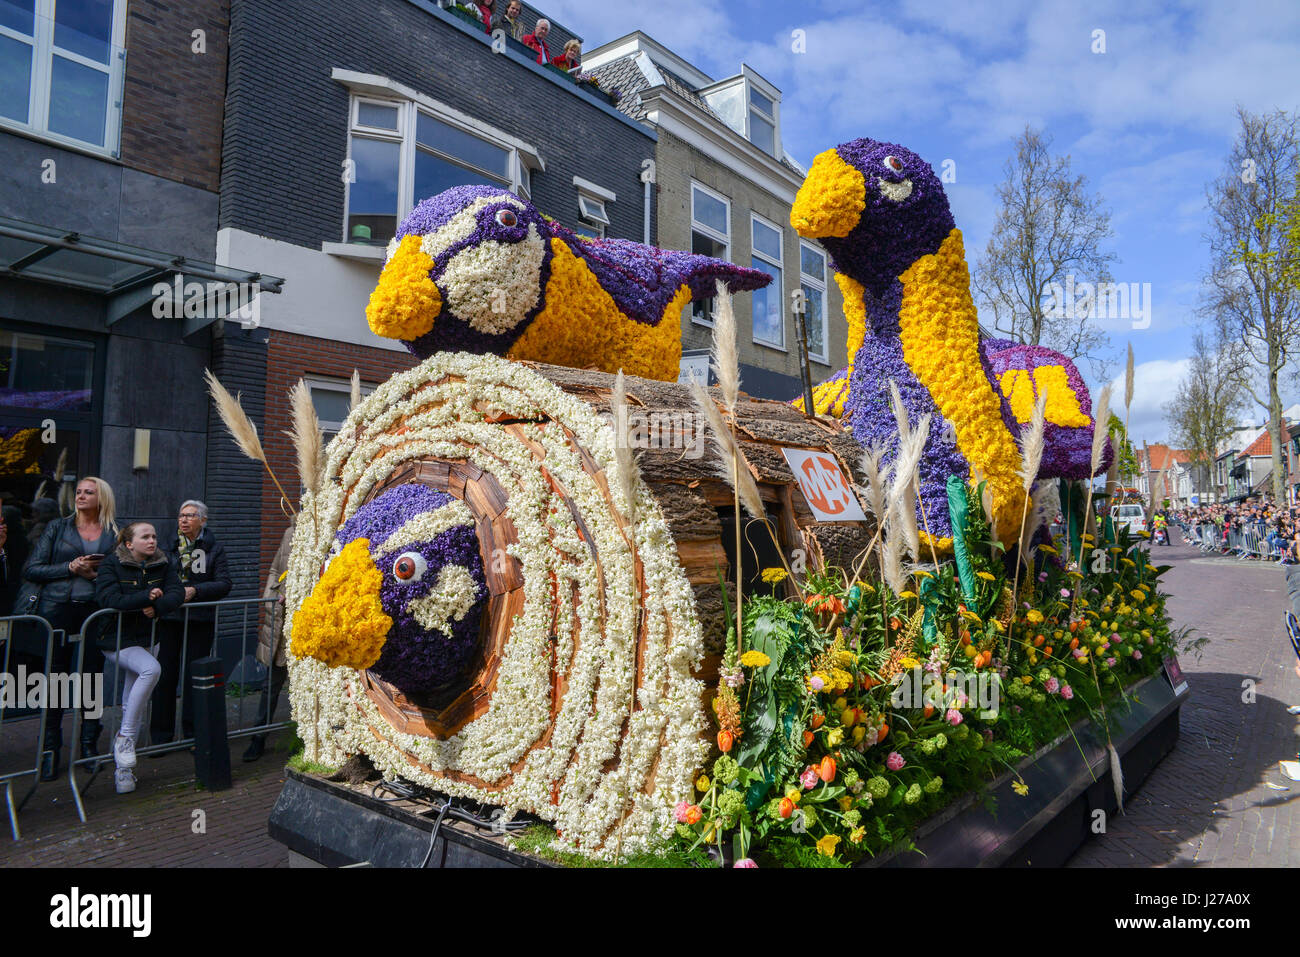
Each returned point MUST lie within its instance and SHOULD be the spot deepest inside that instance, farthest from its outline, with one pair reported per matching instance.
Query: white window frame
(819, 284)
(779, 265)
(344, 387)
(408, 110)
(42, 74)
(751, 108)
(713, 234)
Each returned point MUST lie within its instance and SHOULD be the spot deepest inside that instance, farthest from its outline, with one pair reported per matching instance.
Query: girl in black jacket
(136, 578)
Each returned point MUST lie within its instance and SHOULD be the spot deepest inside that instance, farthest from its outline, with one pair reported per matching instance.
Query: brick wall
(174, 98)
(286, 126)
(289, 358)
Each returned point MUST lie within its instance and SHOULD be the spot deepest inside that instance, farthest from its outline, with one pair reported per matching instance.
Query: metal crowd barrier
(92, 627)
(9, 778)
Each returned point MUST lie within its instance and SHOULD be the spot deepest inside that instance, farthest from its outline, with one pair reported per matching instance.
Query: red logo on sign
(823, 485)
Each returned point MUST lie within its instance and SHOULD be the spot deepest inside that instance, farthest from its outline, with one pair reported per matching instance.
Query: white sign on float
(824, 486)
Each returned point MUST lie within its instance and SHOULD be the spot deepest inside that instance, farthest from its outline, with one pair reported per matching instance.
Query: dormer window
(762, 121)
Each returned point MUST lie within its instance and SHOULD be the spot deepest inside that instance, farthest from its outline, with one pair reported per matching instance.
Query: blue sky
(1149, 122)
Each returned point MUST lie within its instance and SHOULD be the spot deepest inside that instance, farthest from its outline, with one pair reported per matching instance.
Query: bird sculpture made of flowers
(476, 269)
(1023, 372)
(402, 593)
(882, 215)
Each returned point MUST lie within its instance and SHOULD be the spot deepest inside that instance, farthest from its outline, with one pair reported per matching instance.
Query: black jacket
(124, 583)
(47, 565)
(212, 583)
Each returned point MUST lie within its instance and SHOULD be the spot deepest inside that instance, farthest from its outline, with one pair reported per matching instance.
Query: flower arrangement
(607, 759)
(852, 727)
(477, 269)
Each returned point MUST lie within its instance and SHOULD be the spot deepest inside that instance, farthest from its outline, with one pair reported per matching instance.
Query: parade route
(1209, 804)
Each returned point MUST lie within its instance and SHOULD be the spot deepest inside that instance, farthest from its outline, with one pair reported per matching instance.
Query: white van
(1131, 516)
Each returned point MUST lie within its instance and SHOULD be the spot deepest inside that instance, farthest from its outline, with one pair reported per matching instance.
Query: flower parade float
(498, 611)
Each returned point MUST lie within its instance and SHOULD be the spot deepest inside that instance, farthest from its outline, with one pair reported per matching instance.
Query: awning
(131, 277)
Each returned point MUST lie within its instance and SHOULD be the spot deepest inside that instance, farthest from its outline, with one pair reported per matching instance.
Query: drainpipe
(647, 179)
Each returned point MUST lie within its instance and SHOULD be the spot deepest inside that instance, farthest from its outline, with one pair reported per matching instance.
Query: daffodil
(826, 846)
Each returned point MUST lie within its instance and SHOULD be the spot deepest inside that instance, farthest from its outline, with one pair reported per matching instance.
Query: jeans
(140, 670)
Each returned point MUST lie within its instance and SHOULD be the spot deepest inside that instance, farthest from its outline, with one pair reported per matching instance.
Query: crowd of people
(511, 21)
(1277, 527)
(66, 568)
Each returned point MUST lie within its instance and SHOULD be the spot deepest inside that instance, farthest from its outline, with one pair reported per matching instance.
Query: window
(812, 280)
(331, 400)
(45, 372)
(762, 122)
(769, 327)
(402, 152)
(592, 215)
(710, 236)
(61, 69)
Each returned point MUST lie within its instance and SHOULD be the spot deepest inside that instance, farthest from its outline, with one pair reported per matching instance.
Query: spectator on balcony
(513, 22)
(571, 59)
(537, 41)
(486, 13)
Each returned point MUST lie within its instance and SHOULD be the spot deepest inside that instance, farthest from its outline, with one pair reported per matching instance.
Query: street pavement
(1209, 803)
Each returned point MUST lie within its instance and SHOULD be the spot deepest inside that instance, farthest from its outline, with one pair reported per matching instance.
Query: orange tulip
(817, 720)
(827, 769)
(895, 624)
(693, 814)
(1074, 643)
(884, 730)
(787, 807)
(1038, 640)
(929, 710)
(1048, 651)
(808, 738)
(725, 740)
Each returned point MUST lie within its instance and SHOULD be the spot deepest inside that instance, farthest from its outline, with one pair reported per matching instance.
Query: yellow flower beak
(831, 199)
(342, 621)
(406, 301)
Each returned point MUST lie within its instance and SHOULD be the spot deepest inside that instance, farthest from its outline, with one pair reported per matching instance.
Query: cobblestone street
(1208, 804)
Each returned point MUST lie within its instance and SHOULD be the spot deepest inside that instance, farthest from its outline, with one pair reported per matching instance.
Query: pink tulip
(1067, 692)
(1052, 685)
(1137, 654)
(679, 812)
(808, 779)
(745, 862)
(953, 717)
(895, 761)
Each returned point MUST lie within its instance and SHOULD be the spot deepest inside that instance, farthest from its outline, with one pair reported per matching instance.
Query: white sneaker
(1290, 769)
(124, 751)
(124, 779)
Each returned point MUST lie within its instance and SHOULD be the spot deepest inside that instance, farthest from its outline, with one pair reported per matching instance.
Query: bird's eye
(894, 163)
(506, 217)
(409, 567)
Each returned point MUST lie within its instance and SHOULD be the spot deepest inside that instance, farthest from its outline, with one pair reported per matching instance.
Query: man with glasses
(200, 561)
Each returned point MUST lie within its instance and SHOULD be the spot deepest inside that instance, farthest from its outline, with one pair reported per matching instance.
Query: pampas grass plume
(237, 422)
(730, 461)
(306, 435)
(726, 362)
(1031, 453)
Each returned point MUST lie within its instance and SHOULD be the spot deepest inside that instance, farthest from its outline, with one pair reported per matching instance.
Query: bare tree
(1208, 401)
(1048, 234)
(1248, 289)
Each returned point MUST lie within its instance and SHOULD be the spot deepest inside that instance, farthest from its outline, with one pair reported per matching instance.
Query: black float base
(1067, 790)
(336, 825)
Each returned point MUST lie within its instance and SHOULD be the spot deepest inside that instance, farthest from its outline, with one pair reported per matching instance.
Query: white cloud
(1154, 384)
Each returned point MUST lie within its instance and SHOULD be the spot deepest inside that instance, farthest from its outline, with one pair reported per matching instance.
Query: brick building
(338, 120)
(725, 188)
(111, 118)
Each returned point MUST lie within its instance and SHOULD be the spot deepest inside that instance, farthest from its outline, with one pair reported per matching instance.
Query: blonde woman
(571, 59)
(63, 565)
